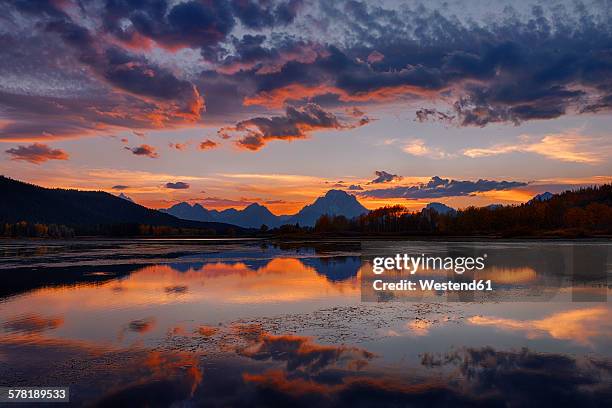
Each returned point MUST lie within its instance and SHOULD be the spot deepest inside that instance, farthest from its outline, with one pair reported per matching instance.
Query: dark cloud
(49, 8)
(536, 64)
(36, 153)
(482, 377)
(438, 187)
(384, 177)
(425, 114)
(148, 393)
(297, 123)
(141, 325)
(521, 67)
(482, 105)
(355, 187)
(138, 76)
(258, 14)
(120, 187)
(338, 73)
(118, 89)
(50, 118)
(143, 150)
(32, 323)
(301, 353)
(178, 289)
(525, 377)
(261, 55)
(179, 185)
(164, 379)
(186, 24)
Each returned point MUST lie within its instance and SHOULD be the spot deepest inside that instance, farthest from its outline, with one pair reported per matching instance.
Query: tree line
(586, 211)
(25, 229)
(35, 230)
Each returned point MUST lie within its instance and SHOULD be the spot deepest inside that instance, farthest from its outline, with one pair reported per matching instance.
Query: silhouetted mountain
(27, 202)
(252, 216)
(188, 212)
(335, 202)
(440, 208)
(542, 197)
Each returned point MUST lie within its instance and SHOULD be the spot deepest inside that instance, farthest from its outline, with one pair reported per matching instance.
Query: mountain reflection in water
(244, 324)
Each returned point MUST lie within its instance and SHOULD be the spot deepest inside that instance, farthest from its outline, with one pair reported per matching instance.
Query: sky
(226, 103)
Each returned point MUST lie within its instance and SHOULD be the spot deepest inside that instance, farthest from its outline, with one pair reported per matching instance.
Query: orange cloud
(277, 380)
(300, 352)
(36, 153)
(278, 97)
(178, 146)
(208, 144)
(418, 147)
(296, 123)
(142, 325)
(381, 391)
(567, 147)
(580, 326)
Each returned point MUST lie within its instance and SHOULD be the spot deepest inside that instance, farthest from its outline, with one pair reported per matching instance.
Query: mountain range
(334, 202)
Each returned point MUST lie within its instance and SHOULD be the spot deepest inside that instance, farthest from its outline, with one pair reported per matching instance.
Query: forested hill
(583, 211)
(34, 204)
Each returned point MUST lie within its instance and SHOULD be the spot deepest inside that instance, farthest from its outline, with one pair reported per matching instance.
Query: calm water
(243, 323)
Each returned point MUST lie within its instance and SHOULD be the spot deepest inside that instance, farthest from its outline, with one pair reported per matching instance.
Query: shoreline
(317, 237)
